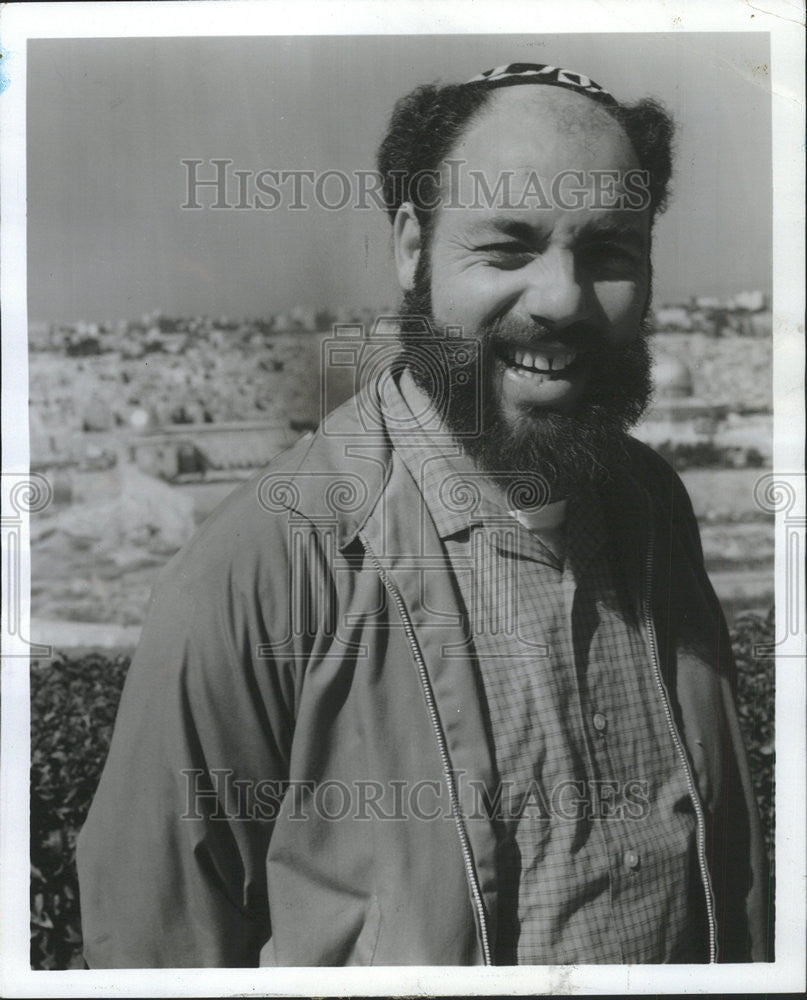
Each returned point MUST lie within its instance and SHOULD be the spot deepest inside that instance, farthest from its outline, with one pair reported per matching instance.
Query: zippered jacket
(291, 777)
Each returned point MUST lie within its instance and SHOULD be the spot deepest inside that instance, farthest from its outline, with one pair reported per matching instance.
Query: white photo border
(784, 22)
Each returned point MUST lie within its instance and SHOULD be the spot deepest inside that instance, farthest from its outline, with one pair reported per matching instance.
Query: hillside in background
(143, 427)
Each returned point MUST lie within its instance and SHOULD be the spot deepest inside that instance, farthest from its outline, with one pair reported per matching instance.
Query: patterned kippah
(521, 73)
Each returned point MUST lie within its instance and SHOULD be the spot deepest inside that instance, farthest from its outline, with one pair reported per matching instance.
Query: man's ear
(407, 242)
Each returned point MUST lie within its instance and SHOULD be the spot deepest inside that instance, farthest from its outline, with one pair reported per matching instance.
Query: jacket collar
(338, 475)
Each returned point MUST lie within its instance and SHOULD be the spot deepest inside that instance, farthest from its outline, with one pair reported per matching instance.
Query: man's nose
(553, 295)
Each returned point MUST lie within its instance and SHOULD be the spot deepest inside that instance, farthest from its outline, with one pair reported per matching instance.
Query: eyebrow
(615, 230)
(508, 226)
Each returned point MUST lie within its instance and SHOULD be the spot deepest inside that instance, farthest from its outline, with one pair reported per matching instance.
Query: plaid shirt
(595, 826)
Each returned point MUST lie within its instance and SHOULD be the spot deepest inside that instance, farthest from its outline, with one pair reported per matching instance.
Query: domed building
(676, 414)
(671, 377)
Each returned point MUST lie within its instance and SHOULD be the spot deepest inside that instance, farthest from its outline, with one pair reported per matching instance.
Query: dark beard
(562, 451)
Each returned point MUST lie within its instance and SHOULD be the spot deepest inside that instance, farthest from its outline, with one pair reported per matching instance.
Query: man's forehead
(543, 158)
(527, 128)
(625, 225)
(553, 103)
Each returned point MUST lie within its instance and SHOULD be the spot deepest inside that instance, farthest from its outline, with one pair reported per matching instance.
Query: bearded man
(447, 683)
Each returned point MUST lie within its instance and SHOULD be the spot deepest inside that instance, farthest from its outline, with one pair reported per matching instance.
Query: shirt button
(600, 722)
(631, 860)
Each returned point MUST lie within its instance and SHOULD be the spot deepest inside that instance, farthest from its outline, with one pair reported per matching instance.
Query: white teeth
(542, 363)
(561, 361)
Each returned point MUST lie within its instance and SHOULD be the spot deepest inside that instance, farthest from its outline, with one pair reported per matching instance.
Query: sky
(110, 122)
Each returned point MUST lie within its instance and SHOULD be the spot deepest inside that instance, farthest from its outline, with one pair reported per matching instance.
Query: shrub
(755, 707)
(73, 706)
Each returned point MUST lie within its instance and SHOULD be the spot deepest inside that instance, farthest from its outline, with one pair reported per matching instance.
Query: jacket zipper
(693, 793)
(420, 663)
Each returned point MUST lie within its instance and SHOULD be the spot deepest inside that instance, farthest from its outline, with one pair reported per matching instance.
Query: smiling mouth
(554, 364)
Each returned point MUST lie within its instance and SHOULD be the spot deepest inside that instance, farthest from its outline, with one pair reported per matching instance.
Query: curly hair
(426, 124)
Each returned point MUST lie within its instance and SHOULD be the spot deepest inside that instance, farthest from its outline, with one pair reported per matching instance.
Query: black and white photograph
(403, 501)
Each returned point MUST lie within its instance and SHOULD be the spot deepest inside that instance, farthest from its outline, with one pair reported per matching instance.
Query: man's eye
(619, 251)
(611, 257)
(506, 255)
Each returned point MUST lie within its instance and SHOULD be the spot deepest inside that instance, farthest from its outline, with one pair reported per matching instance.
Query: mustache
(583, 336)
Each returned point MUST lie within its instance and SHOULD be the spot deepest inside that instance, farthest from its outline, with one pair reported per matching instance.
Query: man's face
(555, 296)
